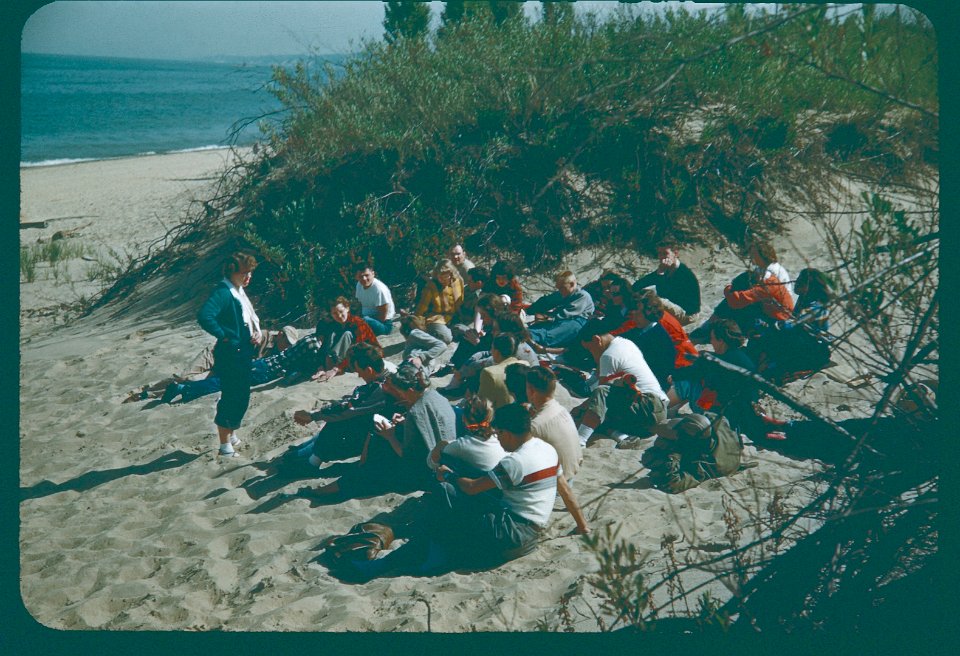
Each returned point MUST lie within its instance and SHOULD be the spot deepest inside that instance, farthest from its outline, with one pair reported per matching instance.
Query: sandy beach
(130, 520)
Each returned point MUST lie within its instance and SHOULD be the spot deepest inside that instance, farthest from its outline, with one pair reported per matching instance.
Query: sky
(201, 30)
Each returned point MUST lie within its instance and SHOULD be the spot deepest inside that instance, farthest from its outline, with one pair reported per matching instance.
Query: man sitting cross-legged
(344, 424)
(559, 316)
(628, 398)
(376, 301)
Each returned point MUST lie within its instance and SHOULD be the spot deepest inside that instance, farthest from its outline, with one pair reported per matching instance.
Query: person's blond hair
(446, 266)
(564, 276)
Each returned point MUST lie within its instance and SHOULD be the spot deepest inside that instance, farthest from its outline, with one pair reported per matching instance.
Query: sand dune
(129, 519)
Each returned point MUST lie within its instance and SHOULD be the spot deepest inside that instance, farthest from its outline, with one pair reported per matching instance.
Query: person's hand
(539, 317)
(442, 471)
(397, 418)
(324, 376)
(303, 417)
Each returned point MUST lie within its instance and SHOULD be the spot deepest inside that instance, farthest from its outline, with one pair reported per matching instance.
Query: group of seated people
(496, 460)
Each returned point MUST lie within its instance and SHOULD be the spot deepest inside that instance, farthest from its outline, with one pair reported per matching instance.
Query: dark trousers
(232, 366)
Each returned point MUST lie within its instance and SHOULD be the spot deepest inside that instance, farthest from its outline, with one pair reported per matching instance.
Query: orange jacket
(774, 297)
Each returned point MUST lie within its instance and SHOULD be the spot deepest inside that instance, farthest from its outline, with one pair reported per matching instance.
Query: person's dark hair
(505, 344)
(670, 243)
(728, 332)
(410, 377)
(238, 261)
(513, 417)
(516, 380)
(649, 305)
(819, 285)
(363, 355)
(590, 330)
(478, 274)
(508, 322)
(503, 268)
(542, 379)
(614, 278)
(360, 267)
(477, 415)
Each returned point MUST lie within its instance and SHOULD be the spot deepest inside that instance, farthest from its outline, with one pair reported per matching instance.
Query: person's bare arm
(570, 501)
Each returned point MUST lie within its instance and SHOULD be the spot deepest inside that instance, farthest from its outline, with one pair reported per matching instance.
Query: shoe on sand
(226, 450)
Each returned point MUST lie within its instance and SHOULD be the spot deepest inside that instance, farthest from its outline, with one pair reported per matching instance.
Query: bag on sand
(364, 542)
(692, 449)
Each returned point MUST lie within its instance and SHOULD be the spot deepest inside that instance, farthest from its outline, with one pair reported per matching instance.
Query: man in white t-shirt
(376, 301)
(528, 478)
(628, 399)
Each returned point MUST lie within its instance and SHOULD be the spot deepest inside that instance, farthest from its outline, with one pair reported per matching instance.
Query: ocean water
(77, 108)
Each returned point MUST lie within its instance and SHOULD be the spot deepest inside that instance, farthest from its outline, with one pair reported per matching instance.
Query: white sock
(584, 432)
(226, 449)
(234, 440)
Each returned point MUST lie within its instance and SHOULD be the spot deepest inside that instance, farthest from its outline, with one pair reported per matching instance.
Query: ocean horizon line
(215, 59)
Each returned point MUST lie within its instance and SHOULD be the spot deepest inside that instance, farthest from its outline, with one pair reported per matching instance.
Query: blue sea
(79, 108)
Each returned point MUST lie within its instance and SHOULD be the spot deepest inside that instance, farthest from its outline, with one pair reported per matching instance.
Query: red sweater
(774, 297)
(681, 343)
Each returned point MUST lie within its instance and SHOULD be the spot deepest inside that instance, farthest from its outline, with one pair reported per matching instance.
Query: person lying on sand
(292, 364)
(273, 342)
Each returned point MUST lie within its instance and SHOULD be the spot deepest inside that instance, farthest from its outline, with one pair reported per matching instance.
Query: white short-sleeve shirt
(374, 296)
(531, 499)
(623, 356)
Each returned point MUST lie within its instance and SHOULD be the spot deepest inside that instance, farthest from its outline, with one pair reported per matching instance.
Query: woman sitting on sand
(337, 335)
(440, 300)
(394, 456)
(802, 343)
(503, 282)
(229, 316)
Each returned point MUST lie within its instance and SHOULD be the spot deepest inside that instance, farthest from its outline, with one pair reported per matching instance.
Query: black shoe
(452, 392)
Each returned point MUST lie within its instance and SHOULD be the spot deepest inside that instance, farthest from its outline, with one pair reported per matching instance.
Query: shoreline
(66, 161)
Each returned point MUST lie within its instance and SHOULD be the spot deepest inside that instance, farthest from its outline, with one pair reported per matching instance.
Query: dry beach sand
(129, 519)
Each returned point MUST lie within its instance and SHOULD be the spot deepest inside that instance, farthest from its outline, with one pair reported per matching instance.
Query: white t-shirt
(534, 499)
(480, 454)
(554, 425)
(623, 356)
(776, 270)
(374, 296)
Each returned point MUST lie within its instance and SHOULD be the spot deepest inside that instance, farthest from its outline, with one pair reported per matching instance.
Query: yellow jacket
(438, 305)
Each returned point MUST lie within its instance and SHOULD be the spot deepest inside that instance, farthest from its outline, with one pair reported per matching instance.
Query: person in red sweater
(337, 335)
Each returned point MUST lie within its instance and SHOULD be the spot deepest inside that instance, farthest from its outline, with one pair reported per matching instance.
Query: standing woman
(229, 316)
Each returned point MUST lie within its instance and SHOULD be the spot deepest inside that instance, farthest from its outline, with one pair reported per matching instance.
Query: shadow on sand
(93, 479)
